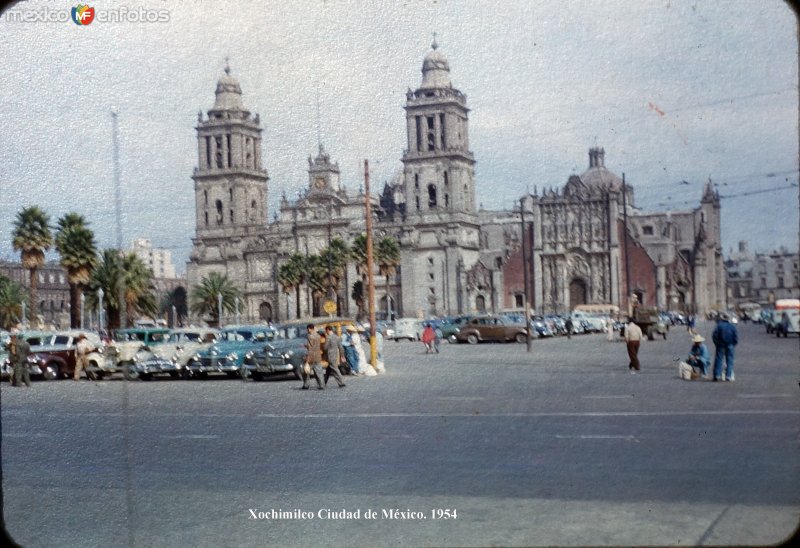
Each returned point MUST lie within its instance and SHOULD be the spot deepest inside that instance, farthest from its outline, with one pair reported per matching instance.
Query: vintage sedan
(227, 354)
(172, 356)
(279, 356)
(491, 328)
(132, 345)
(54, 358)
(451, 326)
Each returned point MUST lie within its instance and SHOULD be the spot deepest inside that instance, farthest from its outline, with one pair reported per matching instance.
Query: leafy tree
(176, 298)
(32, 237)
(335, 258)
(358, 252)
(139, 296)
(291, 275)
(204, 297)
(387, 255)
(75, 243)
(11, 297)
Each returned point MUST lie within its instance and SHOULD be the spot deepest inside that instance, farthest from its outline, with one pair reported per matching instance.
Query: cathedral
(585, 243)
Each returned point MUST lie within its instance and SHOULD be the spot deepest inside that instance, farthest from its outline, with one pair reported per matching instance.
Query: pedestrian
(698, 358)
(364, 367)
(313, 362)
(428, 337)
(82, 350)
(335, 354)
(725, 338)
(633, 337)
(610, 330)
(690, 324)
(568, 327)
(437, 339)
(349, 341)
(18, 350)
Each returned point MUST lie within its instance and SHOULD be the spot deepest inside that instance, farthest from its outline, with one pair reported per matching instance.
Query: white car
(407, 328)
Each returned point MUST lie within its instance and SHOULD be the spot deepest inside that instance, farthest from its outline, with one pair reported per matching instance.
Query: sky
(676, 92)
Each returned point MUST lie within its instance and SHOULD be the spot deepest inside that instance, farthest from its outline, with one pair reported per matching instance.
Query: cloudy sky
(673, 90)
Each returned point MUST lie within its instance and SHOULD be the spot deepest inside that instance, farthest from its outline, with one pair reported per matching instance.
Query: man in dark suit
(313, 359)
(335, 353)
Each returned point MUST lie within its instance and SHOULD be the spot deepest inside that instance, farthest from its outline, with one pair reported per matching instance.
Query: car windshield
(183, 337)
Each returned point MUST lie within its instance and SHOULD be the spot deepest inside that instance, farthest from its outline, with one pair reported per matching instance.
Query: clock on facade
(319, 182)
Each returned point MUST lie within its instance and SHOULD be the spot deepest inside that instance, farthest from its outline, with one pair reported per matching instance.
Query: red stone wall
(642, 269)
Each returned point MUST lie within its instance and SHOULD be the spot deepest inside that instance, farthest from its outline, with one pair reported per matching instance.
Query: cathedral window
(416, 182)
(518, 301)
(228, 142)
(432, 196)
(208, 151)
(230, 215)
(416, 198)
(218, 155)
(230, 193)
(430, 276)
(220, 216)
(206, 216)
(419, 133)
(441, 131)
(446, 180)
(431, 134)
(253, 207)
(249, 160)
(647, 230)
(430, 261)
(447, 201)
(205, 197)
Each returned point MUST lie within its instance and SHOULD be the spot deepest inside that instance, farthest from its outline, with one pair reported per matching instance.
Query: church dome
(229, 92)
(598, 175)
(435, 69)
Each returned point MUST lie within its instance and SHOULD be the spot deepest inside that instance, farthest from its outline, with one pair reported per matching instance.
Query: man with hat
(313, 359)
(350, 341)
(18, 350)
(698, 355)
(82, 350)
(725, 338)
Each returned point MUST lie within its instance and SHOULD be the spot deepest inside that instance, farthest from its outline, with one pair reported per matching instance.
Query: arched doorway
(387, 310)
(480, 304)
(265, 312)
(577, 293)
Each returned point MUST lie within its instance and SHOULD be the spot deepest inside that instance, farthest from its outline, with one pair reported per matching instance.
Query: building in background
(157, 259)
(587, 242)
(762, 278)
(52, 290)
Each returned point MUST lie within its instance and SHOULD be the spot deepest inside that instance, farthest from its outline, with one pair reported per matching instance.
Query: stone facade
(454, 258)
(52, 290)
(762, 277)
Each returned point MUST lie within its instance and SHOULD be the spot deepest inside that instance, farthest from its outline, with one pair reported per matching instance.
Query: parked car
(787, 317)
(227, 354)
(36, 339)
(132, 345)
(491, 328)
(540, 327)
(450, 326)
(173, 355)
(650, 323)
(407, 328)
(55, 358)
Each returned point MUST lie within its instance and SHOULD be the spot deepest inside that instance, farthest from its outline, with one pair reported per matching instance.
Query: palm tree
(291, 275)
(11, 297)
(32, 237)
(317, 279)
(387, 255)
(75, 243)
(205, 297)
(177, 299)
(138, 279)
(335, 258)
(358, 252)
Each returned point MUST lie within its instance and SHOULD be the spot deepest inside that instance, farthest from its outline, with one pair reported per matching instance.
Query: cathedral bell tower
(230, 183)
(438, 165)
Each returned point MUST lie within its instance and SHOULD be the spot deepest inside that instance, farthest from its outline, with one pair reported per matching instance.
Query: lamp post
(525, 276)
(237, 310)
(100, 308)
(83, 306)
(174, 316)
(219, 310)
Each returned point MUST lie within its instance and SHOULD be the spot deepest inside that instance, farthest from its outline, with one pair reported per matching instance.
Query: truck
(649, 321)
(786, 317)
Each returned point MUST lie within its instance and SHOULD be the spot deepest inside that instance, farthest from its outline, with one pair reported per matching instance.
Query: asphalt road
(561, 446)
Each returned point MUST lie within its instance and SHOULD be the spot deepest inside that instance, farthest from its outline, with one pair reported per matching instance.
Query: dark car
(451, 326)
(276, 357)
(55, 357)
(228, 353)
(491, 328)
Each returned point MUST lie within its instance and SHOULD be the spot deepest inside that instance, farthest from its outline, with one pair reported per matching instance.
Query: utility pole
(123, 312)
(625, 246)
(373, 350)
(525, 274)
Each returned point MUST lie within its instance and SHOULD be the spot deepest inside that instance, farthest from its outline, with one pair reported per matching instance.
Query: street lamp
(83, 306)
(237, 310)
(100, 308)
(525, 276)
(219, 310)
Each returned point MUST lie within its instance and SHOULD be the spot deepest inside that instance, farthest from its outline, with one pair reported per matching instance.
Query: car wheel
(50, 372)
(472, 338)
(522, 338)
(452, 339)
(146, 376)
(129, 372)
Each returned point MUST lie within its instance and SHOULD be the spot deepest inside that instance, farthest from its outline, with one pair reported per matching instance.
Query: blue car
(227, 355)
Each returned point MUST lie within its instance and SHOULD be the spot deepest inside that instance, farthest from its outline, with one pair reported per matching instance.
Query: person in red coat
(428, 336)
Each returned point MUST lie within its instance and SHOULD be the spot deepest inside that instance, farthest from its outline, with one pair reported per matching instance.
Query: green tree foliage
(139, 292)
(11, 298)
(31, 236)
(204, 297)
(75, 242)
(291, 275)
